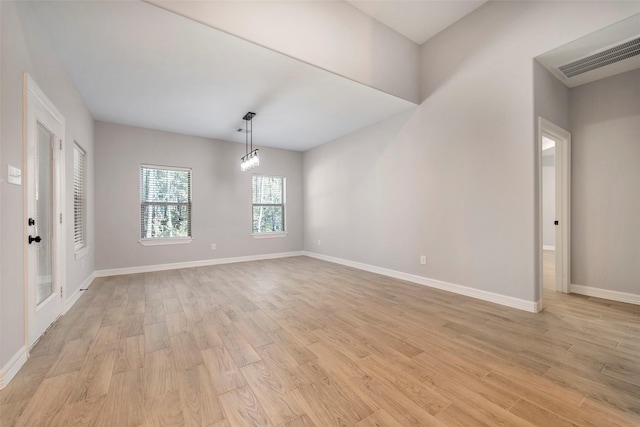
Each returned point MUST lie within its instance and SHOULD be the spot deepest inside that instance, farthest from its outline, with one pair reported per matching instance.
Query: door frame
(562, 137)
(30, 88)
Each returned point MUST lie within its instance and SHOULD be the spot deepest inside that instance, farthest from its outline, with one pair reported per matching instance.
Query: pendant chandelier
(250, 159)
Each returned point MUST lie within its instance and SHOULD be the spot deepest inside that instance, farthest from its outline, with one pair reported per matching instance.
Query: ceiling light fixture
(250, 159)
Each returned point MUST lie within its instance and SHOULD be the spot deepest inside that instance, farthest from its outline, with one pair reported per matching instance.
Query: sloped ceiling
(137, 64)
(417, 20)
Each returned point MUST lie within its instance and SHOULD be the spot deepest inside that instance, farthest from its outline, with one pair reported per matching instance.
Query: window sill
(163, 241)
(81, 253)
(269, 235)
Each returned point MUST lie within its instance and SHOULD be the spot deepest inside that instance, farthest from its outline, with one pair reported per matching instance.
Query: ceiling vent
(605, 57)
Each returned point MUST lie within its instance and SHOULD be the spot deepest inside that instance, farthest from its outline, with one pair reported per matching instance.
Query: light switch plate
(14, 175)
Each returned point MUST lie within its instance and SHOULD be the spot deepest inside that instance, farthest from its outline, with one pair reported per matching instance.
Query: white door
(562, 223)
(44, 132)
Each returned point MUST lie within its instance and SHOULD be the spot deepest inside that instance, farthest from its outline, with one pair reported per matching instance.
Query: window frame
(271, 234)
(157, 241)
(80, 248)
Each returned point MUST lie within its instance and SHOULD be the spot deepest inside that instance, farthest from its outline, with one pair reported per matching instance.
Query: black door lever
(34, 239)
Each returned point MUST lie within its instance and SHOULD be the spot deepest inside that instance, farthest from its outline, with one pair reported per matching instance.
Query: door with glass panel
(43, 138)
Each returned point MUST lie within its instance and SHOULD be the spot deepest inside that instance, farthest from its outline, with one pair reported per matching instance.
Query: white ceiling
(140, 65)
(417, 20)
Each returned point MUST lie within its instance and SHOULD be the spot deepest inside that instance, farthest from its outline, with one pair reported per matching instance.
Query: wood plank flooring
(549, 269)
(301, 342)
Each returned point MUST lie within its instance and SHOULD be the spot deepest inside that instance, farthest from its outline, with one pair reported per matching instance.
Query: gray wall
(25, 48)
(550, 97)
(605, 202)
(548, 198)
(428, 183)
(550, 101)
(221, 210)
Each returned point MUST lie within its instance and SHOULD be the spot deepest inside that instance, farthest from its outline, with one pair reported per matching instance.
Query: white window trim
(272, 234)
(81, 250)
(177, 168)
(163, 241)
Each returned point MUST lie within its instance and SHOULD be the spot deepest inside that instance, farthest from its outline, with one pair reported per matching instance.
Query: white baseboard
(12, 367)
(189, 264)
(548, 248)
(605, 294)
(76, 295)
(518, 303)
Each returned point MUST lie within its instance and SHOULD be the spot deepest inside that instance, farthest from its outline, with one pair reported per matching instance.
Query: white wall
(332, 35)
(428, 183)
(25, 48)
(548, 198)
(221, 194)
(605, 202)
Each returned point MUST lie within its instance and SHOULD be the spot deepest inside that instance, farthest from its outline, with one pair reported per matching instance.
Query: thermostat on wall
(14, 175)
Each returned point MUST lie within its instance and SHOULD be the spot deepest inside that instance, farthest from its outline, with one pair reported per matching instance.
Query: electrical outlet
(213, 246)
(423, 259)
(319, 242)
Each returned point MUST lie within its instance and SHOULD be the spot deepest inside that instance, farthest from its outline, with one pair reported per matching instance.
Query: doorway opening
(554, 152)
(548, 200)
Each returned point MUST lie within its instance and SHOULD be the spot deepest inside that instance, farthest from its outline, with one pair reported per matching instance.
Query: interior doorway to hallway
(555, 196)
(548, 201)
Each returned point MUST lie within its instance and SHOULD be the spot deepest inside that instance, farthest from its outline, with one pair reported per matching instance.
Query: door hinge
(60, 291)
(60, 145)
(60, 218)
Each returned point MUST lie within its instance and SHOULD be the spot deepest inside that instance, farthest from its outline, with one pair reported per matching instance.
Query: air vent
(608, 56)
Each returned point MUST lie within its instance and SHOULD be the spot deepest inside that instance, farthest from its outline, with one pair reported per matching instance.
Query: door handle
(34, 239)
(32, 222)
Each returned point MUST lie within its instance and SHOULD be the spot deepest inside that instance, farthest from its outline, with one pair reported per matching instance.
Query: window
(165, 202)
(79, 198)
(268, 204)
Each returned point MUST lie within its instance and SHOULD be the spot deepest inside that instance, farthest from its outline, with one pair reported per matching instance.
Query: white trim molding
(72, 299)
(606, 294)
(531, 306)
(12, 367)
(189, 264)
(163, 241)
(548, 248)
(562, 138)
(271, 235)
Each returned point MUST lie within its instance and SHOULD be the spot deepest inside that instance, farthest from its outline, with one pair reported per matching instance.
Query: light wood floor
(301, 342)
(549, 270)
